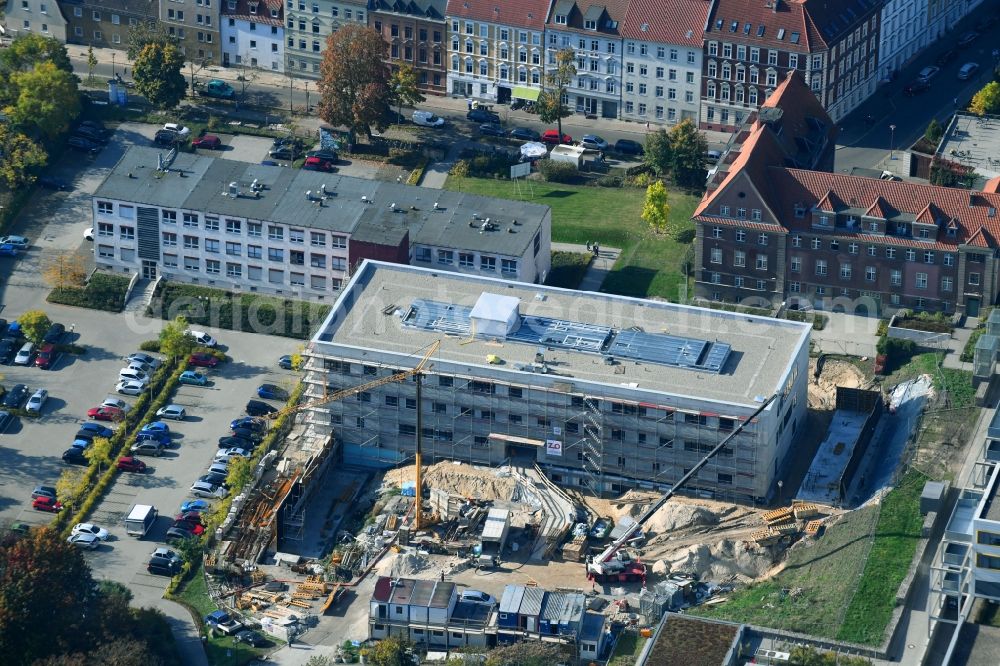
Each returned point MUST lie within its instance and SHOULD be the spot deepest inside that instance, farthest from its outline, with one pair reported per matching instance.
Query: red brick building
(415, 33)
(772, 229)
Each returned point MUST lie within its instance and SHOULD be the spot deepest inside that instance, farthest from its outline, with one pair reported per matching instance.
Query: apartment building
(253, 34)
(251, 227)
(495, 52)
(105, 23)
(770, 229)
(415, 33)
(604, 392)
(40, 17)
(904, 34)
(594, 34)
(195, 24)
(308, 23)
(942, 15)
(663, 60)
(751, 45)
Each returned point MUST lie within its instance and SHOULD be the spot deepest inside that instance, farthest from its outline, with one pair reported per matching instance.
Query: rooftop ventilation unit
(392, 206)
(309, 195)
(322, 188)
(364, 199)
(255, 185)
(435, 205)
(234, 189)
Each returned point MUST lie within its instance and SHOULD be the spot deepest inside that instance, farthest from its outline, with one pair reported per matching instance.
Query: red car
(105, 413)
(46, 355)
(552, 137)
(193, 517)
(316, 164)
(131, 464)
(209, 141)
(47, 504)
(203, 360)
(196, 529)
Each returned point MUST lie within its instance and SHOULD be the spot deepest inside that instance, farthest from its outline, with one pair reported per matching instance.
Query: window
(254, 251)
(796, 264)
(169, 239)
(212, 266)
(254, 229)
(445, 257)
(762, 262)
(338, 242)
(741, 235)
(276, 254)
(974, 279)
(211, 223)
(191, 243)
(911, 255)
(928, 257)
(947, 284)
(275, 232)
(949, 260)
(739, 258)
(762, 239)
(816, 243)
(821, 267)
(488, 263)
(234, 227)
(716, 255)
(508, 266)
(192, 264)
(234, 270)
(921, 280)
(845, 271)
(896, 277)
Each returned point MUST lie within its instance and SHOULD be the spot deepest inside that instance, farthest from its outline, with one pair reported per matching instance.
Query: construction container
(576, 550)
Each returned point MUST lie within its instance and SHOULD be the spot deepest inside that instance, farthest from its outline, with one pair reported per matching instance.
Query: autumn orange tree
(354, 82)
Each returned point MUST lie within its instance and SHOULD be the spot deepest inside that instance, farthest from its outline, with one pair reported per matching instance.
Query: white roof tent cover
(533, 149)
(495, 316)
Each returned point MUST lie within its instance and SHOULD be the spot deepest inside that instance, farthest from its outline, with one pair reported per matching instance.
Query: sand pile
(721, 561)
(407, 564)
(823, 393)
(458, 479)
(672, 517)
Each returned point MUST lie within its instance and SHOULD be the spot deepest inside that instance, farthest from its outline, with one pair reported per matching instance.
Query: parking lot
(31, 449)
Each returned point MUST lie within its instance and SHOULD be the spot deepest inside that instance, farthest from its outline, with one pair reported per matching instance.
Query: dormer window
(253, 7)
(590, 24)
(800, 211)
(232, 5)
(560, 19)
(873, 227)
(952, 231)
(902, 229)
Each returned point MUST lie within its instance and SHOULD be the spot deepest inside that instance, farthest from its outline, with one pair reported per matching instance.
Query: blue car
(152, 435)
(156, 426)
(195, 505)
(192, 377)
(248, 423)
(82, 444)
(272, 392)
(97, 429)
(285, 362)
(8, 250)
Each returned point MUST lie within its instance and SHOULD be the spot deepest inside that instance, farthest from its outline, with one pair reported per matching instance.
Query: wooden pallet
(804, 510)
(813, 527)
(779, 515)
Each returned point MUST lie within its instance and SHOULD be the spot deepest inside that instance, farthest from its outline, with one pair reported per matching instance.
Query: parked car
(153, 436)
(75, 456)
(193, 517)
(192, 377)
(286, 152)
(148, 447)
(7, 350)
(195, 505)
(97, 429)
(317, 164)
(946, 57)
(525, 134)
(324, 154)
(272, 392)
(551, 137)
(43, 491)
(47, 504)
(285, 362)
(5, 419)
(134, 375)
(130, 387)
(427, 119)
(233, 442)
(258, 408)
(203, 360)
(177, 533)
(967, 39)
(177, 129)
(483, 116)
(250, 435)
(20, 242)
(928, 73)
(916, 87)
(91, 135)
(226, 454)
(37, 401)
(131, 464)
(478, 597)
(251, 638)
(248, 423)
(105, 413)
(53, 183)
(490, 129)
(203, 338)
(25, 354)
(223, 622)
(175, 412)
(88, 234)
(164, 562)
(112, 401)
(208, 490)
(15, 396)
(92, 529)
(8, 250)
(151, 361)
(47, 355)
(208, 142)
(83, 145)
(593, 142)
(84, 541)
(167, 138)
(968, 70)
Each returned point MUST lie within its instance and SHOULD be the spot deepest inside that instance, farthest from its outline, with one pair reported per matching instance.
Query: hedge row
(103, 292)
(253, 313)
(165, 381)
(278, 431)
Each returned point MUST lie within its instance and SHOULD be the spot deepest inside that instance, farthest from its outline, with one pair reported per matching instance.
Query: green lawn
(627, 649)
(650, 264)
(568, 269)
(958, 383)
(838, 572)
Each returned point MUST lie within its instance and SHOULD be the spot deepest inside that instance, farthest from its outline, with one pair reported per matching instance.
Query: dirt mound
(823, 392)
(721, 561)
(458, 479)
(672, 517)
(407, 564)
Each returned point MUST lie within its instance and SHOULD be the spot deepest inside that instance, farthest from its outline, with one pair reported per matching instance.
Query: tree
(145, 33)
(174, 340)
(354, 80)
(403, 86)
(687, 154)
(19, 157)
(987, 100)
(64, 269)
(91, 63)
(387, 652)
(550, 101)
(45, 585)
(100, 451)
(239, 473)
(656, 210)
(934, 131)
(46, 98)
(157, 75)
(657, 155)
(34, 324)
(30, 50)
(71, 485)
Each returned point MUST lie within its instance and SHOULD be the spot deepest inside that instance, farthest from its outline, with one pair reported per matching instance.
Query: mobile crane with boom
(614, 564)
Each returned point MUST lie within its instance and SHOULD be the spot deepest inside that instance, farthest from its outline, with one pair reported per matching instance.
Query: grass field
(568, 269)
(650, 264)
(827, 589)
(627, 649)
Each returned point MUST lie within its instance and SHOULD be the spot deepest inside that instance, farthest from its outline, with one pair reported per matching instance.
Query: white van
(427, 119)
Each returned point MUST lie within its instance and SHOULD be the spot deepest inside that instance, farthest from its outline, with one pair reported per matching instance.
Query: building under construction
(604, 392)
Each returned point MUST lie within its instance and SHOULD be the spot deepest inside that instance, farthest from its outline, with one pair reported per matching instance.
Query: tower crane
(615, 564)
(417, 372)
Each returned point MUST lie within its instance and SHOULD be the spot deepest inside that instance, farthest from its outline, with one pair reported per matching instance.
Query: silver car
(36, 401)
(175, 412)
(25, 354)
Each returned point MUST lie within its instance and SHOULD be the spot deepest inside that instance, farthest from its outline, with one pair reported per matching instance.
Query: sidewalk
(185, 632)
(599, 267)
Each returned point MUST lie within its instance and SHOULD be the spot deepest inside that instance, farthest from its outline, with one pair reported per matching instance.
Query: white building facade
(253, 35)
(307, 25)
(904, 34)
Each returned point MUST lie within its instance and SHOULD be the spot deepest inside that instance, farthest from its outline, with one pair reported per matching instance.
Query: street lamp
(112, 64)
(892, 140)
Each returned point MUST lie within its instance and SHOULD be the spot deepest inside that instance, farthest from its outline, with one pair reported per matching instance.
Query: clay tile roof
(668, 21)
(608, 13)
(786, 20)
(980, 238)
(992, 185)
(263, 15)
(829, 202)
(529, 14)
(758, 151)
(803, 127)
(880, 209)
(926, 216)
